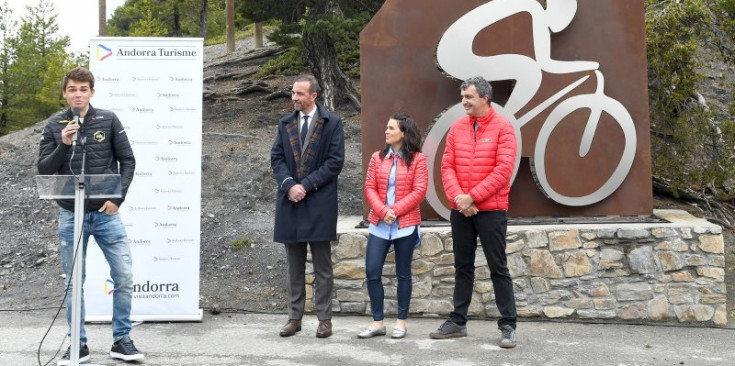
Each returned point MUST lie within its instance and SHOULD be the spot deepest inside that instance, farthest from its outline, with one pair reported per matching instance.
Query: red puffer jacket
(411, 183)
(480, 163)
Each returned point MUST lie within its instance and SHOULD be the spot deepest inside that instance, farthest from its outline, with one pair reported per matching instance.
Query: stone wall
(655, 273)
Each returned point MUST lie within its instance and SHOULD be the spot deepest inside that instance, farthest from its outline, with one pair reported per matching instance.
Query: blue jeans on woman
(377, 250)
(109, 232)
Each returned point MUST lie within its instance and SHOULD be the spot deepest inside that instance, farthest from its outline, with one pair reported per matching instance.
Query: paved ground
(252, 339)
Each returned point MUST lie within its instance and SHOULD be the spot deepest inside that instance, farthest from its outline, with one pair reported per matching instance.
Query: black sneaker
(449, 329)
(83, 356)
(508, 337)
(125, 350)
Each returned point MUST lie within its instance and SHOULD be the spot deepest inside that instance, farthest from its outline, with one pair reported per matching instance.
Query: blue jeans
(109, 232)
(377, 249)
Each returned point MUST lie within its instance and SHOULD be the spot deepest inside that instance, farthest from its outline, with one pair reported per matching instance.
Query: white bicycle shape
(455, 56)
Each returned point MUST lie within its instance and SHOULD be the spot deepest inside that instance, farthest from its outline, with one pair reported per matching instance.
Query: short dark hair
(483, 87)
(78, 74)
(313, 84)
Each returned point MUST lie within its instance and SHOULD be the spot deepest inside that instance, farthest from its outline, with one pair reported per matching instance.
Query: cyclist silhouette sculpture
(455, 56)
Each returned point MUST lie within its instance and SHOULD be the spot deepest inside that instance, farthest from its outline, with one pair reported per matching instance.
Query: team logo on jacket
(99, 136)
(486, 140)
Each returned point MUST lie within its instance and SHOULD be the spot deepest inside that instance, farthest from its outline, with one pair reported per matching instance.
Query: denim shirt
(382, 229)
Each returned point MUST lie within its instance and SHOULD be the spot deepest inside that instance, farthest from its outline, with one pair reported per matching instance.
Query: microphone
(76, 112)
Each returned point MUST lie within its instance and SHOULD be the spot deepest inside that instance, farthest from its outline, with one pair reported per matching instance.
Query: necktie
(304, 128)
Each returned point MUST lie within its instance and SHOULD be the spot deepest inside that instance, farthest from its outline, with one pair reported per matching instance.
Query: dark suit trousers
(321, 256)
(491, 227)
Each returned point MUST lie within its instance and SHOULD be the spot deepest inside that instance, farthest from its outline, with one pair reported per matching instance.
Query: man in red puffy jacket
(477, 167)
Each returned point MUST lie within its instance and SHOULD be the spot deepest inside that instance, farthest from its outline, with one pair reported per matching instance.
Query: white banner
(154, 85)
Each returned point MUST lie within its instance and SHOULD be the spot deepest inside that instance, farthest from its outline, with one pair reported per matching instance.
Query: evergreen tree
(38, 62)
(6, 27)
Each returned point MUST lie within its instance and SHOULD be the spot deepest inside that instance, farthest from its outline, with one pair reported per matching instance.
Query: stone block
(420, 266)
(663, 232)
(539, 285)
(442, 291)
(345, 284)
(606, 233)
(443, 271)
(439, 307)
(595, 314)
(351, 296)
(529, 311)
(576, 264)
(677, 245)
(579, 304)
(483, 286)
(694, 313)
(445, 259)
(431, 245)
(642, 260)
(588, 236)
(611, 258)
(309, 279)
(718, 274)
(591, 245)
(686, 233)
(421, 288)
(557, 312)
(605, 304)
(696, 260)
(670, 260)
(712, 244)
(517, 266)
(658, 308)
(350, 270)
(633, 311)
(515, 246)
(352, 307)
(632, 234)
(682, 276)
(634, 291)
(477, 308)
(448, 244)
(601, 290)
(713, 299)
(563, 240)
(351, 246)
(717, 261)
(537, 239)
(482, 273)
(720, 318)
(543, 265)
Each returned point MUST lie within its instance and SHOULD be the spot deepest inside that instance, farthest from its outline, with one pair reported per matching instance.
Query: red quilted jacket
(480, 163)
(411, 186)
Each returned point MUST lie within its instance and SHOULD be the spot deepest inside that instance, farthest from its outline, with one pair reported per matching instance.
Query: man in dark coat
(306, 159)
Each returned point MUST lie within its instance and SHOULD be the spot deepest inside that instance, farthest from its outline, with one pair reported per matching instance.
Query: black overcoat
(315, 217)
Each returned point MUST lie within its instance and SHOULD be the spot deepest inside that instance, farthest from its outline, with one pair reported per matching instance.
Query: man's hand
(108, 208)
(68, 132)
(390, 217)
(463, 201)
(469, 212)
(296, 193)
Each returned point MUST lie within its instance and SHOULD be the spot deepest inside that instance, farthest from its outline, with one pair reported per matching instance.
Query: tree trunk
(230, 28)
(258, 35)
(177, 20)
(322, 58)
(102, 21)
(204, 19)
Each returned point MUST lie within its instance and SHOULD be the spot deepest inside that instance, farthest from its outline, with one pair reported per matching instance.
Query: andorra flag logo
(103, 52)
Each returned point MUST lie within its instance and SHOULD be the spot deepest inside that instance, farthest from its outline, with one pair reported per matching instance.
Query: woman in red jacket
(395, 185)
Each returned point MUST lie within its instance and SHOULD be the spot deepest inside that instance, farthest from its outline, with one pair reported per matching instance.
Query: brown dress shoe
(325, 329)
(291, 328)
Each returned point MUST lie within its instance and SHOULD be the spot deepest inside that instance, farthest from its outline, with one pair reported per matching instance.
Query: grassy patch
(238, 244)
